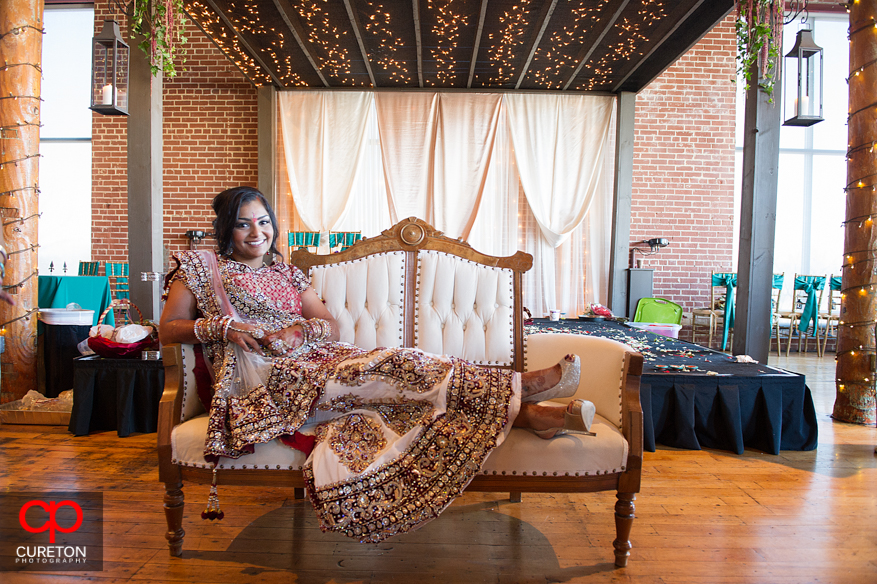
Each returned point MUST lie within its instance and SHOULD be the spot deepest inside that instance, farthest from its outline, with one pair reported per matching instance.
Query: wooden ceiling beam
(415, 7)
(357, 31)
(244, 43)
(657, 46)
(299, 34)
(590, 50)
(477, 43)
(542, 25)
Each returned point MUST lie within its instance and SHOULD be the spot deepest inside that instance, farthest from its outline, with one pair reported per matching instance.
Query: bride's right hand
(244, 339)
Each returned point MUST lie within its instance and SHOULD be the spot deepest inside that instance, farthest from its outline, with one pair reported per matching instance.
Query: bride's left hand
(284, 340)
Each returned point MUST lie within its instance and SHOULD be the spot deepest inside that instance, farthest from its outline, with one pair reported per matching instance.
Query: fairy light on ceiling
(333, 60)
(379, 24)
(447, 29)
(503, 50)
(551, 62)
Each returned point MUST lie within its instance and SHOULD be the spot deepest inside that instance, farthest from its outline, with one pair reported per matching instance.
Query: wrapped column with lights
(21, 38)
(856, 349)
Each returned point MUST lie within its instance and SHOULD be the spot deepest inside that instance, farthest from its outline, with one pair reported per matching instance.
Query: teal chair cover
(88, 268)
(835, 283)
(118, 271)
(304, 239)
(810, 285)
(343, 239)
(729, 281)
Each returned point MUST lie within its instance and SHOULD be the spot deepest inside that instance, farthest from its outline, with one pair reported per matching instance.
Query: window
(65, 140)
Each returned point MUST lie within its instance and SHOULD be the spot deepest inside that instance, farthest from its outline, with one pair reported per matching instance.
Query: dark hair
(227, 206)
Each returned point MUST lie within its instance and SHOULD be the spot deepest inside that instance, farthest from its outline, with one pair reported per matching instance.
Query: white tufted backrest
(366, 297)
(464, 309)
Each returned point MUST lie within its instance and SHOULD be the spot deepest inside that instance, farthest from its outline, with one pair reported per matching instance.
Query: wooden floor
(703, 516)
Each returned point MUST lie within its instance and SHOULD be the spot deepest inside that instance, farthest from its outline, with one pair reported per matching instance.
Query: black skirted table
(116, 394)
(694, 397)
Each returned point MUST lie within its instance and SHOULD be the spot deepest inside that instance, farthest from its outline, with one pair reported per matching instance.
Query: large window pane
(831, 35)
(790, 220)
(826, 240)
(65, 201)
(67, 73)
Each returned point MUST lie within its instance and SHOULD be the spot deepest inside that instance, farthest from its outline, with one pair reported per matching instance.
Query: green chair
(303, 240)
(343, 239)
(88, 268)
(657, 310)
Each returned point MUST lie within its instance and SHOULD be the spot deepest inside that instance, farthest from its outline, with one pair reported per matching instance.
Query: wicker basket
(110, 349)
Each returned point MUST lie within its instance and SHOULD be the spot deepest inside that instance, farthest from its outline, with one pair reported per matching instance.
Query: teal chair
(657, 310)
(303, 240)
(804, 315)
(831, 315)
(117, 272)
(775, 295)
(343, 239)
(88, 268)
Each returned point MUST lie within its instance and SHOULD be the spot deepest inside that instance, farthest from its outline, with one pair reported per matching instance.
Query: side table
(115, 394)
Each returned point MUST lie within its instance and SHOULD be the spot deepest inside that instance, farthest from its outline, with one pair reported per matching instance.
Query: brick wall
(210, 136)
(683, 174)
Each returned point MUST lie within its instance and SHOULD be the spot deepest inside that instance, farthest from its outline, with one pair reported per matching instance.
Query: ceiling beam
(590, 50)
(298, 33)
(357, 30)
(658, 45)
(222, 49)
(244, 44)
(415, 7)
(542, 25)
(477, 43)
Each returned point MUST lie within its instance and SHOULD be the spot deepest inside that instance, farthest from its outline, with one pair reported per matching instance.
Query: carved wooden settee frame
(610, 377)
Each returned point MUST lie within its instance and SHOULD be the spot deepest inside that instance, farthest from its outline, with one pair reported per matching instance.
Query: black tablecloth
(59, 351)
(745, 405)
(116, 394)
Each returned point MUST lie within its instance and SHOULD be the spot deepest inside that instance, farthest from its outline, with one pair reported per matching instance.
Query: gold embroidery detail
(401, 414)
(355, 439)
(407, 369)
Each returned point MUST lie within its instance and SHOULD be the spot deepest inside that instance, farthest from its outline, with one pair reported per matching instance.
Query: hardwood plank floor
(702, 517)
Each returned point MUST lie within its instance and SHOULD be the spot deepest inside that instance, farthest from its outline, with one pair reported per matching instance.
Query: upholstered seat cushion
(522, 453)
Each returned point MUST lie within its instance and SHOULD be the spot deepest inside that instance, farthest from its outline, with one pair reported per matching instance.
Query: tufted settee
(413, 287)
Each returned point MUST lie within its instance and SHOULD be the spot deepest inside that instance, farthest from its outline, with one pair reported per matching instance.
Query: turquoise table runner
(89, 292)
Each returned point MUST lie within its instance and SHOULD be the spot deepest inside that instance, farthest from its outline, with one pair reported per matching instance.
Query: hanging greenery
(759, 41)
(162, 23)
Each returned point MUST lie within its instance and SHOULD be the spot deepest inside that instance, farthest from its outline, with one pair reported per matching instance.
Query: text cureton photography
(51, 531)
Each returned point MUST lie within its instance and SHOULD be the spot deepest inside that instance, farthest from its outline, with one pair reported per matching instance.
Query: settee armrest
(170, 409)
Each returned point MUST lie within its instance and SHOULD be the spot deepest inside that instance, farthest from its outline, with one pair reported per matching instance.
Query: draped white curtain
(503, 171)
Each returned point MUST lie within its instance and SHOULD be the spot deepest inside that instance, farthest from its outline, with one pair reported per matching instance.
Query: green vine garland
(759, 27)
(162, 23)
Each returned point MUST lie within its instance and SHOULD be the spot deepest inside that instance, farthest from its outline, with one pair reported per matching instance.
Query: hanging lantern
(802, 82)
(109, 72)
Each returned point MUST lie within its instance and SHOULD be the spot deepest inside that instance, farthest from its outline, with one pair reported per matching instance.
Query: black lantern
(109, 72)
(802, 82)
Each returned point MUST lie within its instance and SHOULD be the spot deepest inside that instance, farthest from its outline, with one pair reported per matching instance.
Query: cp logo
(51, 523)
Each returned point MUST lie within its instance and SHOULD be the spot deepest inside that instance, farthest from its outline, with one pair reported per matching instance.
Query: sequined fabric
(399, 432)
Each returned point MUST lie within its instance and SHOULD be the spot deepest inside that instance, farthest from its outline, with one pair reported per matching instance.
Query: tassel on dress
(213, 511)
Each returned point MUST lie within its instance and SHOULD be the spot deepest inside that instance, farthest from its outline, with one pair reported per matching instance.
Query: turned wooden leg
(173, 512)
(298, 493)
(624, 509)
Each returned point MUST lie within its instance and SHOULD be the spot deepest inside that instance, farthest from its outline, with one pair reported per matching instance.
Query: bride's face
(252, 235)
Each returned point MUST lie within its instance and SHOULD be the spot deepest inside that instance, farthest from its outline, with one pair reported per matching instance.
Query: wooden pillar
(21, 42)
(145, 185)
(619, 254)
(758, 207)
(856, 339)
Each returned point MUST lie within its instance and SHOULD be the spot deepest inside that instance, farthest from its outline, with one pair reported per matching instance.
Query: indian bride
(392, 435)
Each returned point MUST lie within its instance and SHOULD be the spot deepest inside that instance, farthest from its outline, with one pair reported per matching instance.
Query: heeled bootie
(577, 419)
(570, 372)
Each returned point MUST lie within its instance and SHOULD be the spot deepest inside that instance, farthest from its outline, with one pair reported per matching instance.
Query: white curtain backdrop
(503, 171)
(323, 135)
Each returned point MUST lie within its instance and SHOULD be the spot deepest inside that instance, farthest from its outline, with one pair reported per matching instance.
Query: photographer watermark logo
(51, 531)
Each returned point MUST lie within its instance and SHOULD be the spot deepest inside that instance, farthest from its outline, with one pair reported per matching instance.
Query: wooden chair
(807, 297)
(303, 240)
(831, 315)
(89, 268)
(776, 294)
(117, 272)
(341, 240)
(715, 312)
